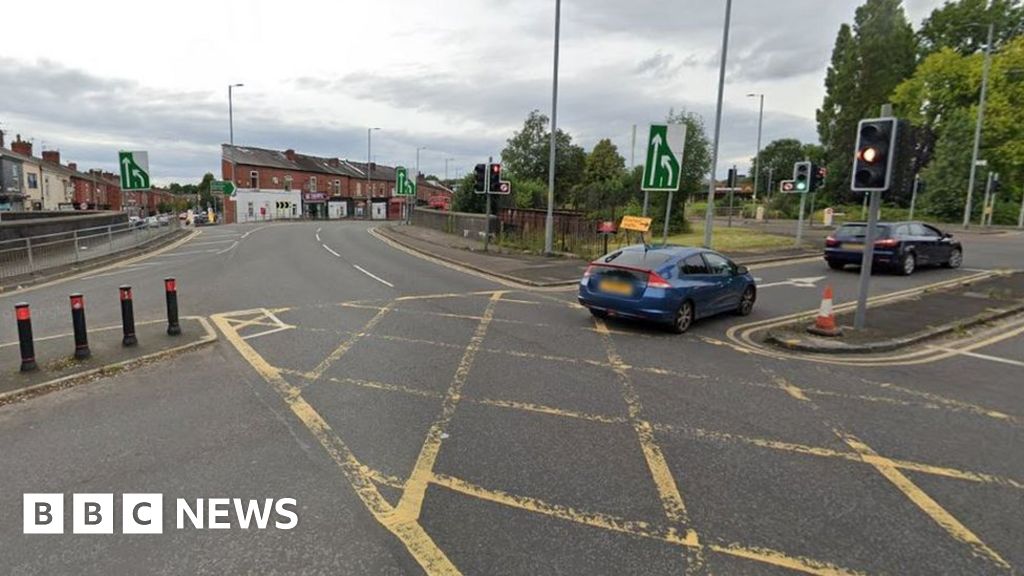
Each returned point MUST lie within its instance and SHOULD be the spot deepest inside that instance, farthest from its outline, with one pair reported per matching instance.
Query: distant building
(273, 184)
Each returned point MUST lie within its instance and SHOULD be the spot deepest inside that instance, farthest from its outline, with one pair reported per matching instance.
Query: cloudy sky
(455, 76)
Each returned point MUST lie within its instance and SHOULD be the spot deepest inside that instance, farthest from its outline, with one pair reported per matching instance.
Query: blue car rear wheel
(684, 317)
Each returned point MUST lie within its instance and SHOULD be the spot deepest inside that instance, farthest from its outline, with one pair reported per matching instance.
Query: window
(718, 264)
(254, 179)
(288, 182)
(312, 183)
(359, 188)
(337, 187)
(927, 231)
(693, 265)
(250, 209)
(33, 180)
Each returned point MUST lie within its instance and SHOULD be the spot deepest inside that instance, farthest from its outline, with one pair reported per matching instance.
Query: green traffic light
(801, 185)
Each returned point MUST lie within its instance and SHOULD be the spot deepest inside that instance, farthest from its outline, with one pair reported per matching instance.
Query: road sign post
(404, 186)
(134, 170)
(663, 165)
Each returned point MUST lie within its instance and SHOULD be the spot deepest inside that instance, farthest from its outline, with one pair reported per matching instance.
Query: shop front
(314, 205)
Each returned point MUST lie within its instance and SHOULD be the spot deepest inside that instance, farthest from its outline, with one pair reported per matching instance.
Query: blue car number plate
(617, 287)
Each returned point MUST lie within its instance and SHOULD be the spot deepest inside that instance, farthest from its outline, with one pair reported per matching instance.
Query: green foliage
(528, 193)
(527, 156)
(603, 182)
(868, 62)
(961, 25)
(947, 174)
(465, 200)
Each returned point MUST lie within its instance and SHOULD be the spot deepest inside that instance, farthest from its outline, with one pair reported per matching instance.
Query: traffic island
(58, 368)
(906, 321)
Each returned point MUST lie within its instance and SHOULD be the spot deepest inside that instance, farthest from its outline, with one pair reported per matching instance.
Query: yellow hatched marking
(412, 499)
(419, 544)
(346, 345)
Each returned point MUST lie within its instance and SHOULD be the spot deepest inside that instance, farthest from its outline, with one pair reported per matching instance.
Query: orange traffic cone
(825, 323)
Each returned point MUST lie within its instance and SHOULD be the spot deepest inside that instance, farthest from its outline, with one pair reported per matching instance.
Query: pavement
(913, 319)
(528, 269)
(431, 419)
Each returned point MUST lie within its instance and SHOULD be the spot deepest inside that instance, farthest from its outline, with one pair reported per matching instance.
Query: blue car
(672, 285)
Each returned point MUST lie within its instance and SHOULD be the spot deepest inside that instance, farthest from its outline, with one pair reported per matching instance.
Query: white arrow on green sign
(403, 185)
(664, 160)
(134, 170)
(225, 187)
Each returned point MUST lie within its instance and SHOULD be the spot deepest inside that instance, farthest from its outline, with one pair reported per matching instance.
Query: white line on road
(328, 248)
(979, 356)
(229, 248)
(212, 242)
(318, 234)
(371, 275)
(188, 253)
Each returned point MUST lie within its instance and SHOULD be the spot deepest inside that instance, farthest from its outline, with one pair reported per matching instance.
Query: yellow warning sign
(636, 223)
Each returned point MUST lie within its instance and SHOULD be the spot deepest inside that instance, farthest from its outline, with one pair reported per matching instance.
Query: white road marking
(211, 242)
(188, 253)
(229, 248)
(328, 248)
(796, 282)
(979, 356)
(318, 234)
(371, 275)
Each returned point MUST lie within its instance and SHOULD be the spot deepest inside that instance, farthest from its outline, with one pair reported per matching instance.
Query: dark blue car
(673, 285)
(900, 246)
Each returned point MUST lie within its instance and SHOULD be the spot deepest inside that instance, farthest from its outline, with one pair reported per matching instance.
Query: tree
(961, 25)
(602, 178)
(465, 199)
(527, 156)
(947, 174)
(868, 61)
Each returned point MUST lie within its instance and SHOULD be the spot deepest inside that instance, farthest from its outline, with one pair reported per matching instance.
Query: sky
(453, 77)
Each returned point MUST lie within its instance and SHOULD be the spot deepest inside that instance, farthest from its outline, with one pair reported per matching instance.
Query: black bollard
(127, 317)
(171, 288)
(28, 349)
(78, 322)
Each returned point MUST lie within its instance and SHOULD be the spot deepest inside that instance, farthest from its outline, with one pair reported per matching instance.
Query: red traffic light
(496, 168)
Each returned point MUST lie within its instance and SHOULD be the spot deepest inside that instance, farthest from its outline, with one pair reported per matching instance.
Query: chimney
(22, 147)
(73, 166)
(335, 162)
(290, 154)
(1, 138)
(52, 156)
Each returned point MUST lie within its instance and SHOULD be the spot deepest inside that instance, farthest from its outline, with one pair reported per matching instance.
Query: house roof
(49, 166)
(252, 156)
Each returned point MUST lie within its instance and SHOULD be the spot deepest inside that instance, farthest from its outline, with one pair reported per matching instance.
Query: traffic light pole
(984, 204)
(668, 215)
(913, 195)
(800, 221)
(487, 209)
(860, 318)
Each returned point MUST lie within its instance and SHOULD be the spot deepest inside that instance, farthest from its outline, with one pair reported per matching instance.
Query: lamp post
(369, 159)
(231, 114)
(709, 216)
(977, 126)
(760, 122)
(549, 221)
(417, 182)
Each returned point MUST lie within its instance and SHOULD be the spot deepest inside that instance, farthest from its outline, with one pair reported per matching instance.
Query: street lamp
(709, 214)
(231, 114)
(549, 221)
(977, 126)
(369, 159)
(760, 121)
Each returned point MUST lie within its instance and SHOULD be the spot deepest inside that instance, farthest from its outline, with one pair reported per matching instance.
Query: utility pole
(369, 160)
(984, 204)
(760, 122)
(977, 126)
(487, 209)
(913, 195)
(768, 191)
(549, 222)
(709, 215)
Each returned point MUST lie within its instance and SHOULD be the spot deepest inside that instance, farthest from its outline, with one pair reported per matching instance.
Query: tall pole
(369, 159)
(549, 222)
(487, 208)
(768, 190)
(709, 216)
(913, 195)
(760, 122)
(984, 203)
(977, 126)
(231, 127)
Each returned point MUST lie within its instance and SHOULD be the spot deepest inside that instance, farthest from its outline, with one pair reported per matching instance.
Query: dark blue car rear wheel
(747, 301)
(683, 318)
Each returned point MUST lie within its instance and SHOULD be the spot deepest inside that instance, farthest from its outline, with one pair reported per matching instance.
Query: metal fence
(34, 254)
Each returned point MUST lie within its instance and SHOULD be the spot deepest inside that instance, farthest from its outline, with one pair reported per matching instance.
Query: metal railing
(35, 254)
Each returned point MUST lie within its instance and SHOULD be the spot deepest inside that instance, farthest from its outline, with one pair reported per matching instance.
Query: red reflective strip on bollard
(77, 302)
(126, 294)
(170, 285)
(22, 312)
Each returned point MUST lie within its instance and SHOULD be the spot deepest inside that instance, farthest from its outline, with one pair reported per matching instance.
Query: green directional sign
(225, 187)
(664, 158)
(403, 185)
(134, 170)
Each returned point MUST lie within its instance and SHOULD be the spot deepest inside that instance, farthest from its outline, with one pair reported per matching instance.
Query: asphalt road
(430, 420)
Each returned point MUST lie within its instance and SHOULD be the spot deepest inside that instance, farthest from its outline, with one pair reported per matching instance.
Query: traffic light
(495, 181)
(874, 154)
(731, 181)
(818, 174)
(802, 176)
(480, 172)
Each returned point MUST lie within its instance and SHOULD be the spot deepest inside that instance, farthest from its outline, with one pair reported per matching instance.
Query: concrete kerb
(99, 263)
(833, 346)
(383, 231)
(111, 368)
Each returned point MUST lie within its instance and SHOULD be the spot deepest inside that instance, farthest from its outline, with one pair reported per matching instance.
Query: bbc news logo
(144, 514)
